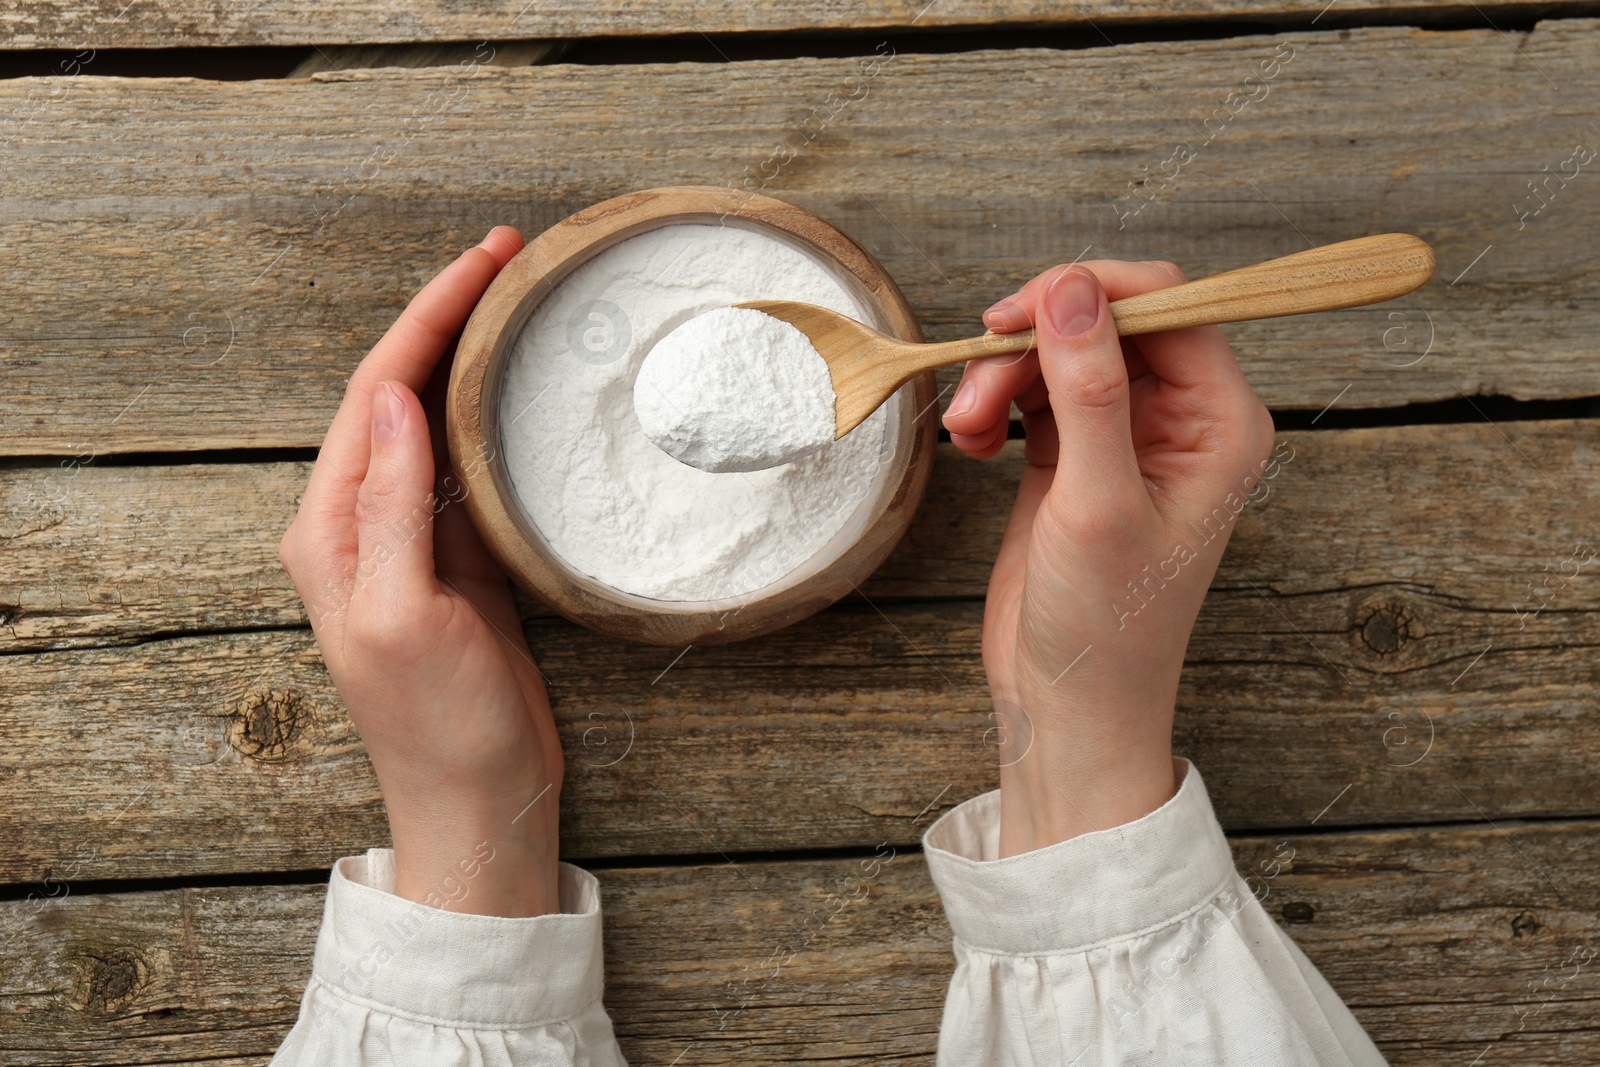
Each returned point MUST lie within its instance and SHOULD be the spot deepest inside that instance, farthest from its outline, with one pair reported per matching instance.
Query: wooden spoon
(867, 366)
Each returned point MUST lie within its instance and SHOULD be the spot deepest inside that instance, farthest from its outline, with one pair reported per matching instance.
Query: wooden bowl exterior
(473, 401)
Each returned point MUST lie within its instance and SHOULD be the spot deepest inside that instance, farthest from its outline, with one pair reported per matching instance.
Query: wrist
(479, 855)
(1070, 771)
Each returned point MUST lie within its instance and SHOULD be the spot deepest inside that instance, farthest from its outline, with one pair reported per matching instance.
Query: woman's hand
(417, 626)
(1141, 453)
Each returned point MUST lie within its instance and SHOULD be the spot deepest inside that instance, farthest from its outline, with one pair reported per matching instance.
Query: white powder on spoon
(609, 502)
(735, 390)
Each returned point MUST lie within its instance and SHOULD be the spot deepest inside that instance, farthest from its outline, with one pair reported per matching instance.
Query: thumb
(1080, 358)
(394, 509)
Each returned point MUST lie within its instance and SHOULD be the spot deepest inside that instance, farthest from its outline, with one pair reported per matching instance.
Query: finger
(1223, 413)
(973, 411)
(1189, 357)
(458, 552)
(321, 546)
(1016, 312)
(1197, 357)
(1120, 279)
(409, 350)
(988, 385)
(502, 243)
(984, 396)
(394, 507)
(986, 444)
(1081, 360)
(324, 520)
(1033, 401)
(1221, 416)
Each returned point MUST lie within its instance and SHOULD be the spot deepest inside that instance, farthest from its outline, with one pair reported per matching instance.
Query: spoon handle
(1367, 270)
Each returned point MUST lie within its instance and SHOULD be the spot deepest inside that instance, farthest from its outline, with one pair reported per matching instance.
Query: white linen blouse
(1135, 945)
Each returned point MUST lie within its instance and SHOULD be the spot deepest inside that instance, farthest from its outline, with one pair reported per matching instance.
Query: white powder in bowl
(735, 390)
(609, 502)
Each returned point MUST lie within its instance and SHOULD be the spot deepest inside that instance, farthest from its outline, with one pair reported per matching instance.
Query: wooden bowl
(473, 405)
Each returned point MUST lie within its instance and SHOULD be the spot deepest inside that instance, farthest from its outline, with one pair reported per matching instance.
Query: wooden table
(1395, 672)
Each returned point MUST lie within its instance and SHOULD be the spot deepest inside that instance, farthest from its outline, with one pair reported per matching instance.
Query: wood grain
(1367, 270)
(104, 555)
(1441, 941)
(203, 263)
(1376, 585)
(178, 23)
(118, 554)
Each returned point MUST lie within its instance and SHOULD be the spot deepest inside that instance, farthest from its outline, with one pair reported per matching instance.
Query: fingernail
(1072, 303)
(961, 403)
(1005, 316)
(387, 413)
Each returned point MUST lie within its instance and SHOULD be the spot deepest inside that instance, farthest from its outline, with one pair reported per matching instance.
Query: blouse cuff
(1084, 892)
(450, 969)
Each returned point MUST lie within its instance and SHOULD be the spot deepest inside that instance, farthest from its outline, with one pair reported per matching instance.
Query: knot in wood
(1526, 925)
(1386, 629)
(267, 724)
(109, 979)
(1299, 912)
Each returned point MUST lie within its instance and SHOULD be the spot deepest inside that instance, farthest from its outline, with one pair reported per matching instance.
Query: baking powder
(609, 502)
(735, 390)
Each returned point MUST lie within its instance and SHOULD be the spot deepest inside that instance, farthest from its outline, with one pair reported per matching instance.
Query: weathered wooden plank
(1443, 942)
(98, 555)
(201, 264)
(1363, 650)
(1365, 587)
(173, 23)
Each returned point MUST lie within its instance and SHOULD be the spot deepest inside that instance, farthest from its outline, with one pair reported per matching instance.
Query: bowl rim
(472, 420)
